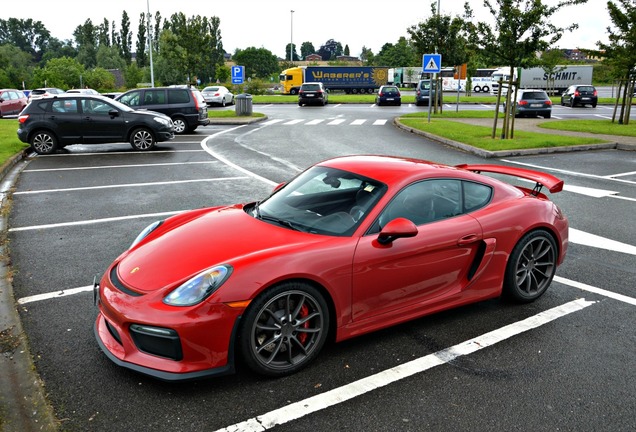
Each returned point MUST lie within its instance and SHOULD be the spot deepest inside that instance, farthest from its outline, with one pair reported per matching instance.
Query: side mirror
(113, 113)
(278, 187)
(397, 228)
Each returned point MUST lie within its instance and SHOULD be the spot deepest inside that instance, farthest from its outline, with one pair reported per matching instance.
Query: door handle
(468, 239)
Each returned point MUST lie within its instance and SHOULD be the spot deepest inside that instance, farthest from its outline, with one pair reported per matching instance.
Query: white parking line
(596, 290)
(116, 166)
(315, 122)
(336, 122)
(358, 122)
(95, 221)
(338, 395)
(173, 182)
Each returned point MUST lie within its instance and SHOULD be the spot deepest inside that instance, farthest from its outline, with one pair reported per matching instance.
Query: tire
(485, 89)
(531, 267)
(284, 329)
(477, 89)
(572, 104)
(562, 101)
(223, 102)
(293, 92)
(180, 125)
(44, 142)
(593, 105)
(142, 139)
(300, 104)
(548, 115)
(232, 101)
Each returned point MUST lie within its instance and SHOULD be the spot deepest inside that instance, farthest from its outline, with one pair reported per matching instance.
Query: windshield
(321, 200)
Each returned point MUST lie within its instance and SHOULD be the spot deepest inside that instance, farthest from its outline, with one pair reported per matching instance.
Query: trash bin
(243, 104)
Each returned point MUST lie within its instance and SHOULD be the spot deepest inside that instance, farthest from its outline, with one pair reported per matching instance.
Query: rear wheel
(485, 89)
(284, 329)
(477, 89)
(142, 139)
(531, 267)
(572, 103)
(44, 142)
(180, 125)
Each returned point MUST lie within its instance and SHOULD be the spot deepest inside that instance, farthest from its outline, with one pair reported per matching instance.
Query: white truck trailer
(537, 78)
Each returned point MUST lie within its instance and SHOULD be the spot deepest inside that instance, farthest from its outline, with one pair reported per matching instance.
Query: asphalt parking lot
(561, 363)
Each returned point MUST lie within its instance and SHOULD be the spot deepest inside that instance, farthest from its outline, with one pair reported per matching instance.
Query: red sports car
(349, 246)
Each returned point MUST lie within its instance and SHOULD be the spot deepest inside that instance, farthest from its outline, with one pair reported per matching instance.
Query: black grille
(113, 332)
(166, 345)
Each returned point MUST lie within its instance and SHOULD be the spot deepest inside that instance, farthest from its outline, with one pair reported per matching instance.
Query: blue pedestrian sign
(432, 63)
(238, 74)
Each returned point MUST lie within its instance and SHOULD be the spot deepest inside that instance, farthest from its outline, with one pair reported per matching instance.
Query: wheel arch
(333, 320)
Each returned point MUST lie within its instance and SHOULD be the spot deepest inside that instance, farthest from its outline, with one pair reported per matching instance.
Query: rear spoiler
(553, 184)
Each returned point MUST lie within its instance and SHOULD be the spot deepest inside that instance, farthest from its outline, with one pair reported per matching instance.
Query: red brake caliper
(304, 311)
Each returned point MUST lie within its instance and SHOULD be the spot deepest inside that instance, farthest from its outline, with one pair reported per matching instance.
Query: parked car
(44, 92)
(313, 93)
(83, 91)
(349, 246)
(388, 95)
(217, 95)
(423, 90)
(184, 105)
(51, 123)
(12, 101)
(532, 103)
(580, 95)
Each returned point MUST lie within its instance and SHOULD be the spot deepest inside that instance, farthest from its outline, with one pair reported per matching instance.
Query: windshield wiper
(279, 221)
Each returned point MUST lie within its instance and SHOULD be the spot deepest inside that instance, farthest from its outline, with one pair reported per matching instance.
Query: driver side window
(424, 202)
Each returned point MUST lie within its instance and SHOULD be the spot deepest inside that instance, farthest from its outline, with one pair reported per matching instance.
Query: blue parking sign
(238, 74)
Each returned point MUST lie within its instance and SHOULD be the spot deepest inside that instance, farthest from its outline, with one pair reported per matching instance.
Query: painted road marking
(592, 240)
(31, 192)
(116, 166)
(315, 122)
(573, 173)
(336, 122)
(338, 395)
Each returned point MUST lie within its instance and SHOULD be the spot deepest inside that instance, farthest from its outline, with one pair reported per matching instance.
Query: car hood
(179, 249)
(151, 113)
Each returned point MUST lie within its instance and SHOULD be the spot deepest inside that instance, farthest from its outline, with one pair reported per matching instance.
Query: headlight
(199, 287)
(162, 120)
(150, 228)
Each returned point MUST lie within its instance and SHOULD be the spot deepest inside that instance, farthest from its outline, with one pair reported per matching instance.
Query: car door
(6, 104)
(102, 122)
(414, 271)
(65, 118)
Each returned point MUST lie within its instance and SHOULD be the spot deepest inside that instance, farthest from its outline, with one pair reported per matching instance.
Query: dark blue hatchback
(388, 95)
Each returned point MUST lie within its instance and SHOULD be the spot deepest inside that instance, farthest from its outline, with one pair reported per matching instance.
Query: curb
(507, 153)
(23, 404)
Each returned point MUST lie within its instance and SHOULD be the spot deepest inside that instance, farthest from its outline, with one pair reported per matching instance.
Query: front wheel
(531, 267)
(142, 139)
(485, 89)
(284, 329)
(44, 142)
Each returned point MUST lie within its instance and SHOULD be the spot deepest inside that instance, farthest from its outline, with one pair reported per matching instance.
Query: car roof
(389, 169)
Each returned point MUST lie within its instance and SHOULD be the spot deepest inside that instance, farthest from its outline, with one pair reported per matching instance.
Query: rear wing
(553, 184)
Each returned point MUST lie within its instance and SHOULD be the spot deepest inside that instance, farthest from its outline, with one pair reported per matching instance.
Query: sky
(272, 25)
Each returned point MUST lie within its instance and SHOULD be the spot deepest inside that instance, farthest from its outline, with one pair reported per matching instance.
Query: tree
(63, 72)
(442, 34)
(549, 63)
(258, 62)
(86, 40)
(620, 52)
(99, 79)
(330, 50)
(398, 55)
(288, 49)
(522, 28)
(306, 48)
(125, 44)
(108, 58)
(217, 53)
(15, 66)
(347, 52)
(103, 34)
(141, 56)
(27, 35)
(366, 55)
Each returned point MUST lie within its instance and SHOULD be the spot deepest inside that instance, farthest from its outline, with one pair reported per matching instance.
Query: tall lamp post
(291, 46)
(152, 70)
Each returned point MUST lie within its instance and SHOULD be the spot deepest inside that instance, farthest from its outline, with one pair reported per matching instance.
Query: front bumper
(141, 333)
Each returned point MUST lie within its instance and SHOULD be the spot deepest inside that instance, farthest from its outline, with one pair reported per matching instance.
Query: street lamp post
(152, 71)
(291, 46)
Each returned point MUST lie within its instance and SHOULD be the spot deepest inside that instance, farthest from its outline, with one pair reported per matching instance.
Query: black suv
(313, 93)
(53, 122)
(184, 105)
(580, 95)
